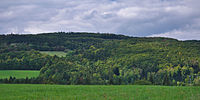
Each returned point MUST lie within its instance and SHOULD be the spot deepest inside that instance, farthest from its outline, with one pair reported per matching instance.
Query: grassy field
(52, 53)
(96, 92)
(18, 73)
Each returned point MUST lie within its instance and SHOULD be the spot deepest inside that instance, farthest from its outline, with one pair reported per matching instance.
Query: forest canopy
(94, 58)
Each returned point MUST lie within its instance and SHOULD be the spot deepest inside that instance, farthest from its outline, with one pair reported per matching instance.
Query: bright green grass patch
(96, 92)
(18, 73)
(52, 53)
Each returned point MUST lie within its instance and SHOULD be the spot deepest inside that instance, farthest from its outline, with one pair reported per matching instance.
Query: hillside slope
(104, 58)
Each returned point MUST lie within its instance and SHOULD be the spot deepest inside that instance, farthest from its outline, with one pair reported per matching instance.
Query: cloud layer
(167, 18)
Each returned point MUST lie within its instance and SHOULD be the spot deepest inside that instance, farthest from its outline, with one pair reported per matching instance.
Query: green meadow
(52, 53)
(18, 73)
(96, 92)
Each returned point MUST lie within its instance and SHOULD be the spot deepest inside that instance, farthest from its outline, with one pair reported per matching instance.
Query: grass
(52, 53)
(18, 73)
(96, 92)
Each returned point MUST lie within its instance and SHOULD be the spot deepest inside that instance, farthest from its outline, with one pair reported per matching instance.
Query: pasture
(96, 92)
(18, 73)
(52, 53)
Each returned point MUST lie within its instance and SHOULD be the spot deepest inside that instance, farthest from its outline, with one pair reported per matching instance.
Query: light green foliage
(102, 58)
(197, 81)
(52, 53)
(96, 92)
(18, 73)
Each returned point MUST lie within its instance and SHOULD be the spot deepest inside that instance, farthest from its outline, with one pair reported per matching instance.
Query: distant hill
(94, 58)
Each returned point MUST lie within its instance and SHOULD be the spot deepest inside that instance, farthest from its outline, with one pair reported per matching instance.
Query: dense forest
(94, 58)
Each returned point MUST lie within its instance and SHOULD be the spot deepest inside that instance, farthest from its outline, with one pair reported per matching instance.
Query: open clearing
(18, 73)
(52, 53)
(96, 92)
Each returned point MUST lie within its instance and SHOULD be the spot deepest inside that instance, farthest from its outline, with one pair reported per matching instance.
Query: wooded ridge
(94, 58)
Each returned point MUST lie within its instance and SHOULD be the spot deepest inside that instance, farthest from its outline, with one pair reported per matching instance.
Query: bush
(197, 81)
(142, 82)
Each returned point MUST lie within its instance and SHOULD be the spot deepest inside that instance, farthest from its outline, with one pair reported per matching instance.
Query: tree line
(102, 59)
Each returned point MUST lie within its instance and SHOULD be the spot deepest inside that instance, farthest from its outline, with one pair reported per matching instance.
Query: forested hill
(56, 41)
(93, 58)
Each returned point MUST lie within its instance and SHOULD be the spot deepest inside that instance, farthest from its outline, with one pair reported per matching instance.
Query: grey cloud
(129, 17)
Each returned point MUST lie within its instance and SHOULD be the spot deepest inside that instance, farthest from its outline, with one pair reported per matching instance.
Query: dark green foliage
(166, 80)
(103, 58)
(54, 41)
(116, 71)
(23, 60)
(142, 82)
(26, 80)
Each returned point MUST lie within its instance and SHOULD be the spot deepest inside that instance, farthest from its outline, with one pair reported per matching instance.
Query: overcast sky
(178, 19)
